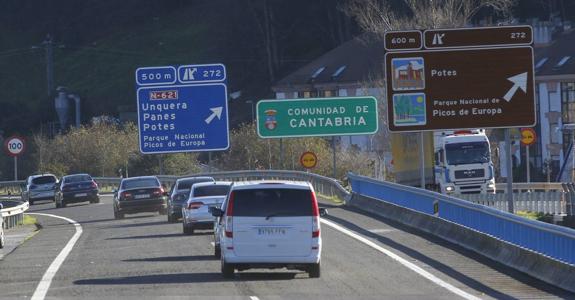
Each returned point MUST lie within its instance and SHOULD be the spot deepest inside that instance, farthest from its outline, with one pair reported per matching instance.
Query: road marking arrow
(216, 112)
(519, 82)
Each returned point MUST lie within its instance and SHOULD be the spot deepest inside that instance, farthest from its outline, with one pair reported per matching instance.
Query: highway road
(143, 256)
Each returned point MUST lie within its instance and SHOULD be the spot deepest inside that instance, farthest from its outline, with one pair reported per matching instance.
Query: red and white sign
(15, 145)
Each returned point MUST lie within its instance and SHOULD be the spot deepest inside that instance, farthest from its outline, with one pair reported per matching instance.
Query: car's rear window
(77, 178)
(43, 180)
(139, 183)
(187, 184)
(272, 202)
(211, 190)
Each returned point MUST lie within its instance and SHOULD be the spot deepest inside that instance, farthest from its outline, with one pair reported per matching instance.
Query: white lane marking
(213, 244)
(382, 230)
(402, 261)
(254, 298)
(46, 281)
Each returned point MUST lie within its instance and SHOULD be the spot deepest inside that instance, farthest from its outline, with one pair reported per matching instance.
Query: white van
(270, 225)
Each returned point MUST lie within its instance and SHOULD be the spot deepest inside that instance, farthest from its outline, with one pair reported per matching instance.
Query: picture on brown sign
(408, 73)
(409, 109)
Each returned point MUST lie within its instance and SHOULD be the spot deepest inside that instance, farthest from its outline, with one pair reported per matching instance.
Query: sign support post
(334, 159)
(528, 165)
(422, 155)
(509, 167)
(15, 168)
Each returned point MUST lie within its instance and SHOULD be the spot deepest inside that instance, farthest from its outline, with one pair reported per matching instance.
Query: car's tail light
(126, 195)
(66, 188)
(94, 185)
(315, 216)
(195, 205)
(158, 192)
(229, 231)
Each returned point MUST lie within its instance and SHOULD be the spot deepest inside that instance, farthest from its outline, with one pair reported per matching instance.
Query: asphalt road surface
(143, 256)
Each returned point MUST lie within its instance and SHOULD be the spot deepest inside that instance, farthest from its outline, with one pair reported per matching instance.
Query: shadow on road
(185, 278)
(151, 236)
(174, 258)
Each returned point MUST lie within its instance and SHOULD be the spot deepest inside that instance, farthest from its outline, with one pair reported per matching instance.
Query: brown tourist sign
(461, 78)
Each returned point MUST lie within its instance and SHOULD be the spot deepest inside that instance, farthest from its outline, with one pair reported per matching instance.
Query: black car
(139, 194)
(76, 188)
(180, 193)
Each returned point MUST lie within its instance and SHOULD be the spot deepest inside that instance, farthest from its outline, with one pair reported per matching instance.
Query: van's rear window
(272, 202)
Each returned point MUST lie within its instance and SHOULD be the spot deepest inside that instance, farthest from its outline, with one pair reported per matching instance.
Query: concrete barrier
(532, 263)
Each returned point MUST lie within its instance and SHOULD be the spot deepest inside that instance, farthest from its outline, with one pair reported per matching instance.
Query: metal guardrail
(550, 240)
(13, 212)
(325, 186)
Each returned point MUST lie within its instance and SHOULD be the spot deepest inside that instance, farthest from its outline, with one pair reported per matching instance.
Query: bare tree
(378, 16)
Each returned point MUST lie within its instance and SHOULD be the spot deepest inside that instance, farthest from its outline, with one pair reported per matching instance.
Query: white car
(270, 225)
(196, 212)
(1, 228)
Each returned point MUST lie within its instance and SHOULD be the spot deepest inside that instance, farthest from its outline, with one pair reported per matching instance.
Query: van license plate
(271, 231)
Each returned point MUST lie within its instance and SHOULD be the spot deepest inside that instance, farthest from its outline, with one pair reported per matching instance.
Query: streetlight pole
(49, 47)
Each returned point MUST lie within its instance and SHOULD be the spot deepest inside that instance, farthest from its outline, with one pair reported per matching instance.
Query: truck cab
(463, 162)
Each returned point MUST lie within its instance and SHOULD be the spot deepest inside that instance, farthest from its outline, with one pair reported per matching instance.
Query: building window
(568, 102)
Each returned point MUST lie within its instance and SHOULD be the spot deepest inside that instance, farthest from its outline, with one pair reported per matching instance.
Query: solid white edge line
(402, 261)
(254, 298)
(46, 281)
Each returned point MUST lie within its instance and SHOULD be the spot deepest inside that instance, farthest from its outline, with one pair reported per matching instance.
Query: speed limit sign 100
(14, 145)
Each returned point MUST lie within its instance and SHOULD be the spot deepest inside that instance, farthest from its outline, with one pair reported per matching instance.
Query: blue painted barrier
(550, 240)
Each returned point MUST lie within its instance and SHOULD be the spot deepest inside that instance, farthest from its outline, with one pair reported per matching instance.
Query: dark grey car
(139, 194)
(179, 195)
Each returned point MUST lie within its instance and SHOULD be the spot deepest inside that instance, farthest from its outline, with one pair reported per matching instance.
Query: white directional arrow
(216, 112)
(519, 82)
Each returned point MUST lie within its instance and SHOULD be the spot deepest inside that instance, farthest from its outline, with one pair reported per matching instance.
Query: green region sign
(317, 117)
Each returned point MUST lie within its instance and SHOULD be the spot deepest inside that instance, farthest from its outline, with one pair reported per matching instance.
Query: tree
(379, 16)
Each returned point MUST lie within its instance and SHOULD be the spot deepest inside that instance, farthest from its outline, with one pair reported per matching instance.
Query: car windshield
(467, 153)
(187, 183)
(77, 178)
(211, 190)
(140, 183)
(44, 180)
(268, 202)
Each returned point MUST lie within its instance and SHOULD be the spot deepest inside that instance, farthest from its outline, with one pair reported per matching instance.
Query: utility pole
(49, 47)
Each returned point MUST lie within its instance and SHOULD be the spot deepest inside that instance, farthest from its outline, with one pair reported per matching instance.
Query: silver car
(40, 187)
(196, 212)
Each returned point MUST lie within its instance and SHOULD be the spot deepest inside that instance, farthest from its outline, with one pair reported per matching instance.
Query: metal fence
(551, 240)
(13, 212)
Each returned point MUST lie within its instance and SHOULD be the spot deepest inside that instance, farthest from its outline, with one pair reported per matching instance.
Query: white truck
(456, 162)
(463, 162)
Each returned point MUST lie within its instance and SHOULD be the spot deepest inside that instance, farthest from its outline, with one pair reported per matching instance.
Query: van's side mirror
(216, 212)
(323, 212)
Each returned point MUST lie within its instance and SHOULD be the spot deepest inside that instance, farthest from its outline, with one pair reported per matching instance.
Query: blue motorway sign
(155, 75)
(182, 117)
(201, 73)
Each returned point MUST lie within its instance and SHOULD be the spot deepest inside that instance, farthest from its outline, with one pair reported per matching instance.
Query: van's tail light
(229, 230)
(195, 205)
(315, 216)
(125, 195)
(158, 192)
